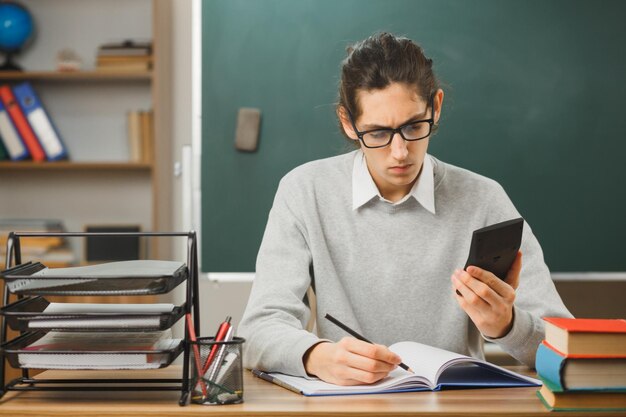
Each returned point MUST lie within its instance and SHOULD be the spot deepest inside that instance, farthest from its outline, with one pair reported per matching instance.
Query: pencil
(196, 351)
(360, 337)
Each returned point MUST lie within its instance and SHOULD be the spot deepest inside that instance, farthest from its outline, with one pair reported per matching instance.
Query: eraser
(247, 132)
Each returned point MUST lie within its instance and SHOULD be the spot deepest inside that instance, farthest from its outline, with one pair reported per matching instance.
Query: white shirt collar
(364, 188)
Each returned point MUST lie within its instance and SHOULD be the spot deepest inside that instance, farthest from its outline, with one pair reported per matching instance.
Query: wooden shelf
(76, 76)
(90, 107)
(74, 166)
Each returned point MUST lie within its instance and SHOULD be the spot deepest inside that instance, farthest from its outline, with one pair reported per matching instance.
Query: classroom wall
(586, 297)
(534, 93)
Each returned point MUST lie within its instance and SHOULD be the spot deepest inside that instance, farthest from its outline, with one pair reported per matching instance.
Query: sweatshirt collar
(364, 188)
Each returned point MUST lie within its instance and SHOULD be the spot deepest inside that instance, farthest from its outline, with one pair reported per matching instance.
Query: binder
(22, 125)
(3, 152)
(10, 137)
(40, 122)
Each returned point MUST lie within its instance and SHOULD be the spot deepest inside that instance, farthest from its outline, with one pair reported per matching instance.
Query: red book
(587, 338)
(21, 124)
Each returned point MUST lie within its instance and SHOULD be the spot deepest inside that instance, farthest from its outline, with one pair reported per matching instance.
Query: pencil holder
(216, 371)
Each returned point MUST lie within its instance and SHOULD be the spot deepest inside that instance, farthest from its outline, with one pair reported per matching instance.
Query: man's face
(394, 168)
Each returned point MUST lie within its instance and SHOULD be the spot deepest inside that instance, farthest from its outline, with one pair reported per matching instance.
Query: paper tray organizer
(17, 280)
(28, 314)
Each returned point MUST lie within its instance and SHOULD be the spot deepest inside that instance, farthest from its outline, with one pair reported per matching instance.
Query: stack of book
(52, 250)
(582, 363)
(26, 130)
(127, 56)
(140, 136)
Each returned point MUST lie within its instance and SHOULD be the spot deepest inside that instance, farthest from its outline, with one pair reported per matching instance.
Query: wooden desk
(265, 399)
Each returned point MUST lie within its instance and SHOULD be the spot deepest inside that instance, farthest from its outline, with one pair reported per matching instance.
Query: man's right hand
(350, 362)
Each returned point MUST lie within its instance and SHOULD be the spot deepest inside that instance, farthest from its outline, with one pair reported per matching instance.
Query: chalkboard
(535, 94)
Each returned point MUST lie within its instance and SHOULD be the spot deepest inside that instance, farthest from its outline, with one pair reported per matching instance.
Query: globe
(16, 30)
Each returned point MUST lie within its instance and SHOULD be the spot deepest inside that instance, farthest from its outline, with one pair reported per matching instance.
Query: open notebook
(434, 369)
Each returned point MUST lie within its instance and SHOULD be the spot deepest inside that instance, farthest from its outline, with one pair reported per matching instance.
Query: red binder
(21, 124)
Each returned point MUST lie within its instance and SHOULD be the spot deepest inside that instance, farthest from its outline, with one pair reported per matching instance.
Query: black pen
(358, 336)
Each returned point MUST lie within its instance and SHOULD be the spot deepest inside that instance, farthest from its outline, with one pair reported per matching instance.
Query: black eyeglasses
(379, 138)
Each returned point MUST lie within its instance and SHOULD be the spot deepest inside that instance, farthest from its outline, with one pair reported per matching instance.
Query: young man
(381, 234)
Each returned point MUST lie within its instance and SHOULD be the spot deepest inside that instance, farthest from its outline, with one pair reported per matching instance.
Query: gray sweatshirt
(382, 269)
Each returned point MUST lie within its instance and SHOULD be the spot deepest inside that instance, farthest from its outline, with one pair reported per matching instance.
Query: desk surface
(265, 399)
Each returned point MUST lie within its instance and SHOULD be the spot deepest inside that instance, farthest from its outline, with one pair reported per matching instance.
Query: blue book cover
(40, 121)
(551, 366)
(10, 137)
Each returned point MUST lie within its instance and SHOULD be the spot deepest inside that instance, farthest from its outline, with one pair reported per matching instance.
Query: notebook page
(424, 360)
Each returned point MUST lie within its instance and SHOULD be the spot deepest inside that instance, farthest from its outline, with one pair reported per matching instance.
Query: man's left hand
(487, 299)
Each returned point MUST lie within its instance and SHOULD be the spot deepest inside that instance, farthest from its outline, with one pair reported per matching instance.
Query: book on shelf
(127, 56)
(21, 124)
(147, 136)
(117, 59)
(133, 122)
(4, 154)
(587, 337)
(561, 372)
(95, 350)
(53, 250)
(31, 225)
(128, 47)
(34, 245)
(40, 122)
(28, 244)
(54, 256)
(434, 369)
(582, 401)
(124, 63)
(124, 67)
(140, 136)
(10, 137)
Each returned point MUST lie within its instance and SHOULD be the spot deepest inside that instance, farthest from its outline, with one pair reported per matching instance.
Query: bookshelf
(99, 184)
(74, 166)
(76, 76)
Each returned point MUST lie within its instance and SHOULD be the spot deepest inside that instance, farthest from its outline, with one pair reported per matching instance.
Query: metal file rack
(28, 383)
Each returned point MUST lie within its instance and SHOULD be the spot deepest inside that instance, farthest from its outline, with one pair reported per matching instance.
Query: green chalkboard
(535, 94)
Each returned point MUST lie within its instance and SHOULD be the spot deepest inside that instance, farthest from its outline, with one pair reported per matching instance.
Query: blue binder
(10, 137)
(44, 129)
